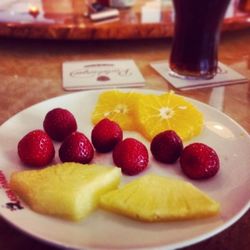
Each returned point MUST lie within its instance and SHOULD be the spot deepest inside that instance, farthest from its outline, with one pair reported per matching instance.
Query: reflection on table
(70, 20)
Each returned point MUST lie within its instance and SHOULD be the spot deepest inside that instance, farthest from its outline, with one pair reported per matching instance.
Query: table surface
(145, 19)
(30, 72)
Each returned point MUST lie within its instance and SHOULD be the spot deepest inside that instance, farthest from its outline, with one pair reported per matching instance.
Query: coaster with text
(225, 76)
(95, 74)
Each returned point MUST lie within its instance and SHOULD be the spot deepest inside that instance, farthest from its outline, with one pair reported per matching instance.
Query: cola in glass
(194, 52)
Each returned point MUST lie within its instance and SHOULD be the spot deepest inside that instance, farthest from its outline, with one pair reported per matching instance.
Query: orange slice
(156, 113)
(117, 106)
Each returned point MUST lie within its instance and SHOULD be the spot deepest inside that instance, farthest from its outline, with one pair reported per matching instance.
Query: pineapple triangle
(68, 190)
(156, 198)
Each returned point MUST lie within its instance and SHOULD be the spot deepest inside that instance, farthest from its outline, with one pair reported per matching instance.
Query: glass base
(191, 77)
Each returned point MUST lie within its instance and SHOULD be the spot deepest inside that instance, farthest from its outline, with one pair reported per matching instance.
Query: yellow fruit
(69, 190)
(156, 113)
(156, 198)
(117, 106)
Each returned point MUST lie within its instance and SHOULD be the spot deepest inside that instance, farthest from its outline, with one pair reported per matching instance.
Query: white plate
(103, 230)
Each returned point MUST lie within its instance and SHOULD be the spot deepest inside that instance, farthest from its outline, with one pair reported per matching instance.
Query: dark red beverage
(196, 39)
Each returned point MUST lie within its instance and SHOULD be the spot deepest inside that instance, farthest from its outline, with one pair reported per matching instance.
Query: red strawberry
(76, 148)
(166, 147)
(131, 156)
(105, 135)
(199, 161)
(36, 149)
(59, 123)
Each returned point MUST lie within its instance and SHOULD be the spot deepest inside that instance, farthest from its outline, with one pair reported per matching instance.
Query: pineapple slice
(156, 198)
(69, 190)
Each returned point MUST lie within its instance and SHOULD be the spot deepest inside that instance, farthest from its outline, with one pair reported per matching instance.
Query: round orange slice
(117, 106)
(157, 113)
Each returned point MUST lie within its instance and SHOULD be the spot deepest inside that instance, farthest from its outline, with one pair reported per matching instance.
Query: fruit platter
(148, 169)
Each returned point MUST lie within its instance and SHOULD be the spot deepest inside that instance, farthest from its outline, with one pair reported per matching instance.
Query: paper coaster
(225, 76)
(96, 74)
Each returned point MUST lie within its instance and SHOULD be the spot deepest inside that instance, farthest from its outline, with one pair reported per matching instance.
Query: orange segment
(117, 106)
(156, 113)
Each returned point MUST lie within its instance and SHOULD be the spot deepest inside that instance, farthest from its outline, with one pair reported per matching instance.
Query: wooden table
(30, 72)
(67, 20)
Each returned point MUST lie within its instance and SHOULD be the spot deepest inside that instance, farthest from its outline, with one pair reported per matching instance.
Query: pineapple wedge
(68, 190)
(156, 198)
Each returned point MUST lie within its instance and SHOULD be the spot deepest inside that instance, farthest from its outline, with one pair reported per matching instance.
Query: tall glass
(196, 38)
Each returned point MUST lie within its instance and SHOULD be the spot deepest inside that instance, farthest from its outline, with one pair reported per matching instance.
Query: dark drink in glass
(196, 37)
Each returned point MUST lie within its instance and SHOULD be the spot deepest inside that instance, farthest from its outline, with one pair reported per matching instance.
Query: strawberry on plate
(76, 148)
(166, 146)
(36, 149)
(131, 156)
(105, 135)
(199, 161)
(59, 123)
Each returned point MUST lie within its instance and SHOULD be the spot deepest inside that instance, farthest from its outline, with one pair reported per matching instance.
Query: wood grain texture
(67, 22)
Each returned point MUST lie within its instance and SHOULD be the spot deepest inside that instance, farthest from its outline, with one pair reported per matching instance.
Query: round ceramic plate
(104, 230)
